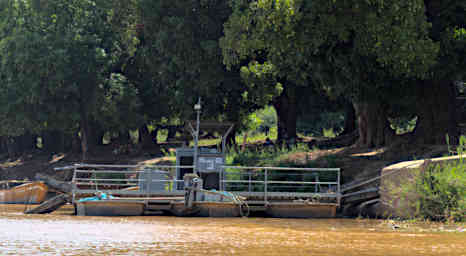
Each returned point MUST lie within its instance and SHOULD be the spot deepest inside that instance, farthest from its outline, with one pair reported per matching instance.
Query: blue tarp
(102, 196)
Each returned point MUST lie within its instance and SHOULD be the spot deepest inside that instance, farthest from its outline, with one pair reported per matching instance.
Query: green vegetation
(74, 72)
(440, 191)
(267, 156)
(278, 157)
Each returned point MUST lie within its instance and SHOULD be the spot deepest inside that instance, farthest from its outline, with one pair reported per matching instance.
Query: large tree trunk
(145, 138)
(68, 142)
(373, 125)
(12, 146)
(436, 112)
(97, 133)
(85, 131)
(75, 143)
(350, 119)
(172, 129)
(84, 137)
(87, 93)
(53, 141)
(27, 142)
(124, 137)
(230, 141)
(3, 144)
(286, 107)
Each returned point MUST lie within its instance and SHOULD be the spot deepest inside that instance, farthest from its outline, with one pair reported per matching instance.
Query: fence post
(73, 184)
(220, 177)
(338, 181)
(265, 185)
(249, 184)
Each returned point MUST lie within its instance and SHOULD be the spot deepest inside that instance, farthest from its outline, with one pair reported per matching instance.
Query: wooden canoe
(28, 193)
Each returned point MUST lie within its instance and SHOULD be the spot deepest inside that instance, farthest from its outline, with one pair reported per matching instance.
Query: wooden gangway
(50, 205)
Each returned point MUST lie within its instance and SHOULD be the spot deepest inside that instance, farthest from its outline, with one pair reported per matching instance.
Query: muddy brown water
(61, 233)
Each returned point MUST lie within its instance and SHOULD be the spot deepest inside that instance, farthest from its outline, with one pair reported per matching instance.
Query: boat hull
(110, 208)
(206, 209)
(29, 193)
(218, 209)
(302, 210)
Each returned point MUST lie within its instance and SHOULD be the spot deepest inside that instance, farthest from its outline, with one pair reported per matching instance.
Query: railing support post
(338, 184)
(249, 184)
(265, 185)
(73, 184)
(220, 177)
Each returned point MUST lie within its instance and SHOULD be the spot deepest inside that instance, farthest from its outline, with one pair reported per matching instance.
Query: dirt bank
(356, 163)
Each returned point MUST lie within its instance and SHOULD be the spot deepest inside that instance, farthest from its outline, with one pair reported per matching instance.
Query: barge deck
(268, 191)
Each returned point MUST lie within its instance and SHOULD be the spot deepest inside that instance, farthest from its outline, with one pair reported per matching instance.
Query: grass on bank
(267, 156)
(440, 190)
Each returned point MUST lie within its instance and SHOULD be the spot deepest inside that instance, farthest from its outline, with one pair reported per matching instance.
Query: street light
(197, 108)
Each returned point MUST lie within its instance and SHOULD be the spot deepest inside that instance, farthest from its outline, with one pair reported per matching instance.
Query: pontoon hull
(29, 193)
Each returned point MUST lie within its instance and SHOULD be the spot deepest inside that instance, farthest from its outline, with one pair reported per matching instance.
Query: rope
(241, 204)
(26, 207)
(241, 208)
(244, 209)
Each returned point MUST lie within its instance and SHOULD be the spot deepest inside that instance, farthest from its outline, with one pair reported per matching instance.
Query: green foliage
(57, 58)
(357, 49)
(121, 64)
(326, 123)
(261, 121)
(179, 60)
(442, 192)
(439, 189)
(297, 37)
(403, 125)
(279, 157)
(266, 156)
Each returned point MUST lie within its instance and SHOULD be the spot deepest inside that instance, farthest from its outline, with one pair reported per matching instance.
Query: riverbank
(357, 164)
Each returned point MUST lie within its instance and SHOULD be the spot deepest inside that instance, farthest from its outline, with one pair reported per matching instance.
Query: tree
(179, 60)
(436, 93)
(60, 56)
(356, 48)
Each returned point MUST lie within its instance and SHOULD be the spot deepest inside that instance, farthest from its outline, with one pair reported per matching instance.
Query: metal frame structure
(288, 179)
(86, 181)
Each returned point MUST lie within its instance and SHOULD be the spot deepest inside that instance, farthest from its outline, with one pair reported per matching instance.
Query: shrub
(440, 191)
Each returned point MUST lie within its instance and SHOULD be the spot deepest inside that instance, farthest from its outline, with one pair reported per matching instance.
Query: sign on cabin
(210, 162)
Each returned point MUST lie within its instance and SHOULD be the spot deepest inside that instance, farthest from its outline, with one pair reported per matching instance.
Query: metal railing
(126, 180)
(262, 184)
(268, 183)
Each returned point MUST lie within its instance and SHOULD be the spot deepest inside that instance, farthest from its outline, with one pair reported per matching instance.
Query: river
(61, 233)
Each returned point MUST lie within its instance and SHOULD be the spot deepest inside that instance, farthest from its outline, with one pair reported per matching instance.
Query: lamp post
(197, 108)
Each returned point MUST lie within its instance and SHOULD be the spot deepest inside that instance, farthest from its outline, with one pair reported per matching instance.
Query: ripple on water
(63, 234)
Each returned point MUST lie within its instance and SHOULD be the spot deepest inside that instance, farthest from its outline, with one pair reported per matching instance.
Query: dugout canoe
(27, 193)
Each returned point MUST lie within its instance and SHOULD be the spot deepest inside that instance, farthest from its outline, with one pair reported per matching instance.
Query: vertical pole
(265, 185)
(338, 181)
(197, 107)
(73, 184)
(220, 177)
(317, 186)
(249, 185)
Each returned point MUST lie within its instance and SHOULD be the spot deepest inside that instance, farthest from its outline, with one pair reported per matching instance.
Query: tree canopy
(85, 68)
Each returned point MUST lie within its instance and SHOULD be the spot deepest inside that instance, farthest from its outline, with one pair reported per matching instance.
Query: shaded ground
(27, 165)
(361, 163)
(356, 163)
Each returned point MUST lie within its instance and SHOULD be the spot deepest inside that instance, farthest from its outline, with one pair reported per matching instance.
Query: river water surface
(61, 233)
